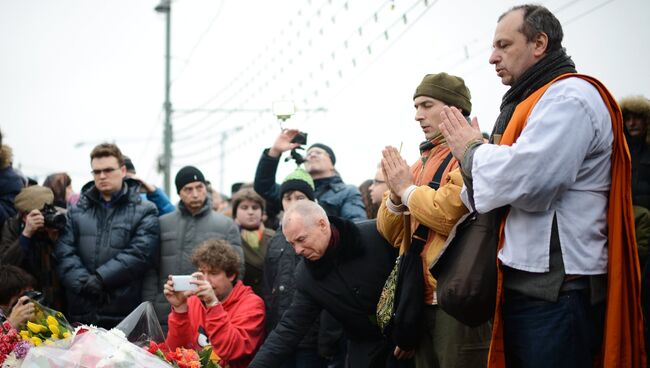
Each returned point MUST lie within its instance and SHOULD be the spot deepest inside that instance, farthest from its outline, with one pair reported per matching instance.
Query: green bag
(387, 297)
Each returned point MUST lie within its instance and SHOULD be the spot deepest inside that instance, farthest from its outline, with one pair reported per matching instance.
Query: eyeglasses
(105, 171)
(376, 182)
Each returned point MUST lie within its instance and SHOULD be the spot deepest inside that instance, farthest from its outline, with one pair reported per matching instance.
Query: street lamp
(283, 109)
(165, 7)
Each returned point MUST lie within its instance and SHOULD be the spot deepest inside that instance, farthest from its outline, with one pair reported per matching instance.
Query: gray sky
(74, 73)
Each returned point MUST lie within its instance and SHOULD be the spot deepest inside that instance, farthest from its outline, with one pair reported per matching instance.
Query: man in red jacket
(220, 311)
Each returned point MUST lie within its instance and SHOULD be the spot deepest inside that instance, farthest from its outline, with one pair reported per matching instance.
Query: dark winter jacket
(180, 233)
(347, 282)
(36, 256)
(337, 198)
(280, 285)
(115, 242)
(640, 154)
(10, 185)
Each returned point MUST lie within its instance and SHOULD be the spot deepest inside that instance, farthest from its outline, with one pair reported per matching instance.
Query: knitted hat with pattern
(299, 180)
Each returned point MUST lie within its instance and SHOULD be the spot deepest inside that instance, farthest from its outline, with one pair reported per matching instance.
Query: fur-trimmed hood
(6, 156)
(639, 106)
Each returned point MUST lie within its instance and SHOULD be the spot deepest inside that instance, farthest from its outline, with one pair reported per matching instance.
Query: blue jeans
(537, 333)
(305, 358)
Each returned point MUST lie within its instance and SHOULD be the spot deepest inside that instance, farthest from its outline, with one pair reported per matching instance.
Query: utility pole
(165, 164)
(222, 153)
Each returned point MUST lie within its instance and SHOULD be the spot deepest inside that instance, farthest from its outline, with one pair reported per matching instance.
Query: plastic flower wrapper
(95, 347)
(141, 326)
(47, 326)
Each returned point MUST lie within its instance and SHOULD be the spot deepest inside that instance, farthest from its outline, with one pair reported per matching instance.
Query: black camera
(300, 138)
(54, 219)
(34, 295)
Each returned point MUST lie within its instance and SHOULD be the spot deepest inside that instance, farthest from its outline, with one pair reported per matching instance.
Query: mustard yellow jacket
(438, 210)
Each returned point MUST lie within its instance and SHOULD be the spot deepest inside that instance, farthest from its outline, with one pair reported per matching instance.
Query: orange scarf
(425, 168)
(623, 344)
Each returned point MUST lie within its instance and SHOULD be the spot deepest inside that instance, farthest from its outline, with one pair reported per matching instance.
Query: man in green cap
(429, 191)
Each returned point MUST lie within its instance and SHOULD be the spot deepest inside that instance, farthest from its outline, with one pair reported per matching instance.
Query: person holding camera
(218, 310)
(15, 306)
(29, 238)
(336, 197)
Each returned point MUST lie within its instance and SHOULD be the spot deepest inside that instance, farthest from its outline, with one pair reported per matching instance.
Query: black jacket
(279, 285)
(640, 153)
(347, 282)
(117, 243)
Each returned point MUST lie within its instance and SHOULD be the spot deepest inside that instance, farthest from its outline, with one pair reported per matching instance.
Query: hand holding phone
(182, 282)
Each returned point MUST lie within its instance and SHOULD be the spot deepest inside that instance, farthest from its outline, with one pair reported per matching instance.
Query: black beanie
(299, 180)
(187, 175)
(327, 149)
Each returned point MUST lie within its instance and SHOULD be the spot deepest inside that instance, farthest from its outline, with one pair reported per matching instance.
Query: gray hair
(309, 211)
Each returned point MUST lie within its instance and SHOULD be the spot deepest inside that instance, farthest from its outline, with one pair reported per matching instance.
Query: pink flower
(21, 349)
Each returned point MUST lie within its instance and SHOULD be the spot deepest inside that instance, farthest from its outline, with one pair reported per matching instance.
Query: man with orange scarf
(557, 160)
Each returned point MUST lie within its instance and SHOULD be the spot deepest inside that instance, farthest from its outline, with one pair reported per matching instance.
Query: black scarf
(548, 68)
(347, 245)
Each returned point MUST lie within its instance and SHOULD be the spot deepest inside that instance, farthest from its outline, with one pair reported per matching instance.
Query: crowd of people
(290, 273)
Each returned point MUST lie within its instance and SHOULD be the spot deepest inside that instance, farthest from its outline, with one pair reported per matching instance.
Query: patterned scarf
(253, 237)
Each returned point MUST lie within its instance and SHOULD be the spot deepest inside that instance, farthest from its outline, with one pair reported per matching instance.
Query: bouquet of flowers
(47, 326)
(186, 358)
(12, 347)
(142, 328)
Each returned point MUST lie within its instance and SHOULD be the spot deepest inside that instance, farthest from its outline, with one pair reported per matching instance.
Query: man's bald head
(307, 229)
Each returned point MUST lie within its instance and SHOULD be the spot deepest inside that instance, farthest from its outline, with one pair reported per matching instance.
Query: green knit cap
(446, 88)
(299, 180)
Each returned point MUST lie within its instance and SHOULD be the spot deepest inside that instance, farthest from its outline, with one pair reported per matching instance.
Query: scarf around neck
(548, 68)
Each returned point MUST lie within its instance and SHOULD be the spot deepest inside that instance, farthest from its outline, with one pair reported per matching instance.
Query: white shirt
(560, 165)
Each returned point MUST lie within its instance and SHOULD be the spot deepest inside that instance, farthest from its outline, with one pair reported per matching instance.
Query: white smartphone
(182, 282)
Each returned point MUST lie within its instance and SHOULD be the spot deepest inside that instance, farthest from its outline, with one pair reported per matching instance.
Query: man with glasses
(108, 243)
(378, 187)
(337, 199)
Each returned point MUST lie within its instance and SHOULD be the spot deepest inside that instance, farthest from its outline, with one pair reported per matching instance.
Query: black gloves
(93, 288)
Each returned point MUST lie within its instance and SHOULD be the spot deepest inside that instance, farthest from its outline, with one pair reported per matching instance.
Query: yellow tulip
(35, 327)
(54, 338)
(36, 341)
(66, 334)
(54, 329)
(25, 335)
(48, 342)
(52, 321)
